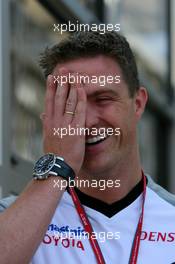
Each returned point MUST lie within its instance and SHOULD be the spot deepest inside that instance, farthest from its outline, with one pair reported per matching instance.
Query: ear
(141, 98)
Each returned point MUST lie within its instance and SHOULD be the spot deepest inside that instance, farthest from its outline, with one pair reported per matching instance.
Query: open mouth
(95, 140)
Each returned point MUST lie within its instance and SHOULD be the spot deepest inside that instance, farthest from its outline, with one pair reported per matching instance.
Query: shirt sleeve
(6, 202)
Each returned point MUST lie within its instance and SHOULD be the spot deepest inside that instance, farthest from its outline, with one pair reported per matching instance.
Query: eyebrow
(103, 91)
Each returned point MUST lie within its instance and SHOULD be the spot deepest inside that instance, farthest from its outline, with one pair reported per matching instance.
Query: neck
(128, 173)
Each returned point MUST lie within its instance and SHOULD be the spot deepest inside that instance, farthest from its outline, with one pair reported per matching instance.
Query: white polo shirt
(114, 227)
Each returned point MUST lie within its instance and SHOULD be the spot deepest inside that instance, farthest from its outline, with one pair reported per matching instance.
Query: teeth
(95, 139)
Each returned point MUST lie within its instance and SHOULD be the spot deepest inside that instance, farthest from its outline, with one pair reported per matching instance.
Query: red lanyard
(88, 227)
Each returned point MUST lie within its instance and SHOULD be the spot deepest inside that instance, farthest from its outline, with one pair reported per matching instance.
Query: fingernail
(49, 78)
(42, 115)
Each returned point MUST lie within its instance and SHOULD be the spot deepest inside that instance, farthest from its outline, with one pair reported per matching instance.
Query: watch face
(44, 164)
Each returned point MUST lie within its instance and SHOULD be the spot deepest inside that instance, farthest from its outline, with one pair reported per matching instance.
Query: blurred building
(26, 28)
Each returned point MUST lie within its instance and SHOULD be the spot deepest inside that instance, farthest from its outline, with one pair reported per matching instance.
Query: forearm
(23, 225)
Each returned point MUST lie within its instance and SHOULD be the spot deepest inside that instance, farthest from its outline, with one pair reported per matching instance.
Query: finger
(50, 94)
(71, 104)
(80, 115)
(61, 93)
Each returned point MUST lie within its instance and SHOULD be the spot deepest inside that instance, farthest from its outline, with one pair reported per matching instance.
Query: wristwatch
(49, 165)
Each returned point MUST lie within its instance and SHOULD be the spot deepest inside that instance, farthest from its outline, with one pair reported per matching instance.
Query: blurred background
(26, 28)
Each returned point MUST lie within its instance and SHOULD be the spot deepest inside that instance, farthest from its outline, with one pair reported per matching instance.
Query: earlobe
(140, 101)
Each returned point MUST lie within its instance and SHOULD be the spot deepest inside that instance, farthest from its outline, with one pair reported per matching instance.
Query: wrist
(52, 165)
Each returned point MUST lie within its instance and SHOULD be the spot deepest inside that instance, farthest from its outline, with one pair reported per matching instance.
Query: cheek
(130, 127)
(127, 124)
(123, 118)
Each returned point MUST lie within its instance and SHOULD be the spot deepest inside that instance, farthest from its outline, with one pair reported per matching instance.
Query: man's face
(108, 106)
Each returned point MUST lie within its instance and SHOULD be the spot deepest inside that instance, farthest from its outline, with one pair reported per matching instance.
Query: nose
(92, 116)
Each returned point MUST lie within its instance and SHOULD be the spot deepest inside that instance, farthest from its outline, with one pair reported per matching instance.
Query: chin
(96, 165)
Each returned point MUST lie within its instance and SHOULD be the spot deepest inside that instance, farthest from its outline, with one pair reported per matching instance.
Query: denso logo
(158, 236)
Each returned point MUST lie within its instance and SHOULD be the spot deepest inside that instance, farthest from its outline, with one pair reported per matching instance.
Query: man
(134, 215)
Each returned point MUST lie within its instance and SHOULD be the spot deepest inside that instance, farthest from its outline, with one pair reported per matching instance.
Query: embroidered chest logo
(65, 237)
